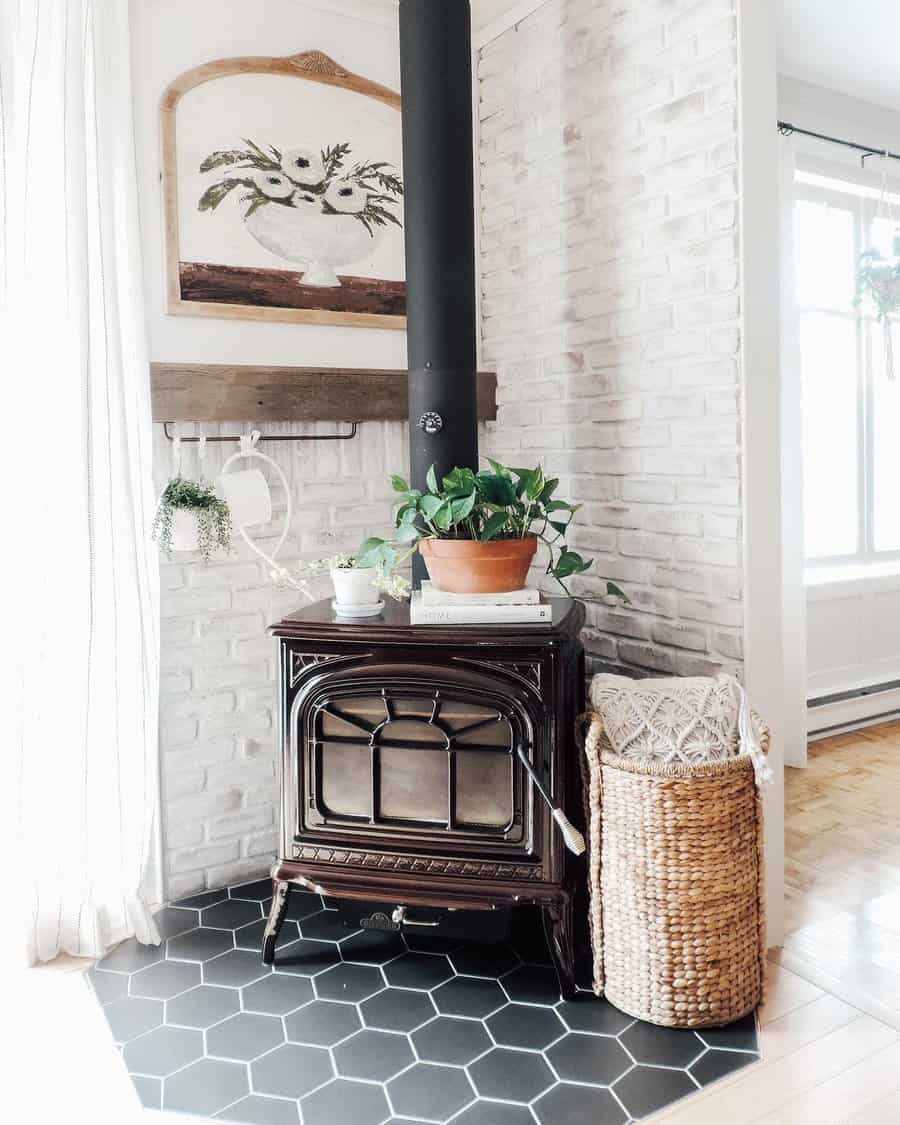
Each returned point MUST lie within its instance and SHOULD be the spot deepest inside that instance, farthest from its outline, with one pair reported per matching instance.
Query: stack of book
(430, 606)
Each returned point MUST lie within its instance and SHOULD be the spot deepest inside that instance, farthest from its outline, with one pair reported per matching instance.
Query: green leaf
(493, 526)
(569, 562)
(399, 484)
(496, 489)
(550, 487)
(461, 508)
(431, 481)
(370, 552)
(221, 159)
(500, 470)
(408, 533)
(535, 485)
(559, 528)
(215, 193)
(428, 505)
(615, 591)
(459, 482)
(443, 517)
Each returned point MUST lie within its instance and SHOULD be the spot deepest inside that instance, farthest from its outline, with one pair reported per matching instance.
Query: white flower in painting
(303, 166)
(303, 199)
(346, 197)
(273, 184)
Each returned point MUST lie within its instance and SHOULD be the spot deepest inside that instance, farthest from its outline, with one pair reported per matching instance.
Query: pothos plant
(500, 503)
(212, 514)
(306, 180)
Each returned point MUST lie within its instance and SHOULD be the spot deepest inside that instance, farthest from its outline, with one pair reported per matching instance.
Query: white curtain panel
(82, 605)
(794, 590)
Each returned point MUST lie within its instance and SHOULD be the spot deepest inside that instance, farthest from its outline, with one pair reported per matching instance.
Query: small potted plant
(478, 532)
(356, 587)
(191, 517)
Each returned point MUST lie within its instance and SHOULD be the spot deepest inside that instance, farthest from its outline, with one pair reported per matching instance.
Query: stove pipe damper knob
(439, 207)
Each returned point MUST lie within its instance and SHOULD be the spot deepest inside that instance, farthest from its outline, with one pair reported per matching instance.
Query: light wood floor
(842, 849)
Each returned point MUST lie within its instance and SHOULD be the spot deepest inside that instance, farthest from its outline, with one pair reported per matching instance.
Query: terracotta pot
(465, 566)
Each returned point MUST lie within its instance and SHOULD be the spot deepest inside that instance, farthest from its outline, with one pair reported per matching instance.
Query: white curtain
(81, 619)
(794, 590)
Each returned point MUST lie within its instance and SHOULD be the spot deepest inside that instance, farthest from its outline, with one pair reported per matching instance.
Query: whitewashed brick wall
(610, 290)
(217, 737)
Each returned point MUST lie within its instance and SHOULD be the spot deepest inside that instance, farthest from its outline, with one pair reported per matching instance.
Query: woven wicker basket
(676, 885)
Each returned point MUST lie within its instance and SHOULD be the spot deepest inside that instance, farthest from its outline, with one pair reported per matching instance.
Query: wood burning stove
(402, 781)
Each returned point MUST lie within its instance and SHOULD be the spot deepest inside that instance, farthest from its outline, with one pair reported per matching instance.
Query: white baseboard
(850, 714)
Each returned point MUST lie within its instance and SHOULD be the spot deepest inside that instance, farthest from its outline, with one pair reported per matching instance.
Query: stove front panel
(413, 760)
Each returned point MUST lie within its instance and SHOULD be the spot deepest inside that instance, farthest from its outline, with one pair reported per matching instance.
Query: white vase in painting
(314, 240)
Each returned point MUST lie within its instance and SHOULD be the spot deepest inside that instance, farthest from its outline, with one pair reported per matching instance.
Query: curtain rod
(786, 129)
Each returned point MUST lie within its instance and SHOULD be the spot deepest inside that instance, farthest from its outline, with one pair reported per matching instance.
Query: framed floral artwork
(283, 193)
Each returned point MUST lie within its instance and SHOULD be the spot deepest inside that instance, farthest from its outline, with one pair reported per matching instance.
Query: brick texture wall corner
(611, 304)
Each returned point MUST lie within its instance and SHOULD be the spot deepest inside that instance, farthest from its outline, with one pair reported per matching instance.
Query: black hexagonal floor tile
(476, 960)
(422, 971)
(349, 982)
(430, 1091)
(512, 1076)
(373, 1055)
(591, 1013)
(373, 947)
(532, 984)
(308, 958)
(230, 914)
(326, 925)
(277, 994)
(149, 1091)
(251, 936)
(347, 1102)
(163, 1051)
(206, 1087)
(737, 1036)
(301, 905)
(108, 987)
(588, 1058)
(199, 945)
(170, 921)
(291, 1071)
(715, 1064)
(525, 1025)
(259, 890)
(202, 900)
(132, 1016)
(567, 1104)
(244, 1037)
(497, 1113)
(469, 996)
(397, 1009)
(645, 1089)
(449, 1039)
(322, 1023)
(235, 968)
(165, 979)
(130, 957)
(260, 1110)
(202, 1007)
(661, 1046)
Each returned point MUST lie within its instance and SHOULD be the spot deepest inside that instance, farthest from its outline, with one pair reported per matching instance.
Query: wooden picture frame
(195, 289)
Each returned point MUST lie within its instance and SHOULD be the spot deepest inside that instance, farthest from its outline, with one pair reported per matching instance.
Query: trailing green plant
(500, 503)
(213, 516)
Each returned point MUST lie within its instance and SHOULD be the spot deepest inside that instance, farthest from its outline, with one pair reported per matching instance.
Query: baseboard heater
(843, 711)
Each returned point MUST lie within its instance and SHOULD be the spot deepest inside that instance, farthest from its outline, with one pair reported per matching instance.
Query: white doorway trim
(763, 625)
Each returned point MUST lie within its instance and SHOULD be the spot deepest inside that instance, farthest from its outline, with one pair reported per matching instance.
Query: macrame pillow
(689, 720)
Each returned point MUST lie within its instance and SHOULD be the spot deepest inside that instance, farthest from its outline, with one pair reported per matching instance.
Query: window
(851, 410)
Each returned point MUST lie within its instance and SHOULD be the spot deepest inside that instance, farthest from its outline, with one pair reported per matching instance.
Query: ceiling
(846, 46)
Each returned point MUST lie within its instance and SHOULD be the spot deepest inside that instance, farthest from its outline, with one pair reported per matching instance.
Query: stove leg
(558, 930)
(276, 919)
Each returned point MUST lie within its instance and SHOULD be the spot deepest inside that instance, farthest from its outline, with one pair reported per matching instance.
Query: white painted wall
(851, 622)
(217, 693)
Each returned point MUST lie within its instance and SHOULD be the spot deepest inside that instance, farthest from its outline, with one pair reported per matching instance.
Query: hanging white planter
(247, 495)
(185, 534)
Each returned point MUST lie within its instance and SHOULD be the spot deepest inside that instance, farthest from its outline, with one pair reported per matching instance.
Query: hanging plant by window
(878, 282)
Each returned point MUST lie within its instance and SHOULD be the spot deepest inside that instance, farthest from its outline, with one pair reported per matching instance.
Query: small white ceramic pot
(247, 495)
(354, 587)
(185, 530)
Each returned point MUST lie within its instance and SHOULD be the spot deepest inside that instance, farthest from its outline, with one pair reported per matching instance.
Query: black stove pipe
(438, 171)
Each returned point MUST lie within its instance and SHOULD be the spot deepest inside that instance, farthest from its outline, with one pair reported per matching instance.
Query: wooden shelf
(187, 392)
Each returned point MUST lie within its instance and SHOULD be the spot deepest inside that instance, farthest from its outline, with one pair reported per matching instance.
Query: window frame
(858, 200)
